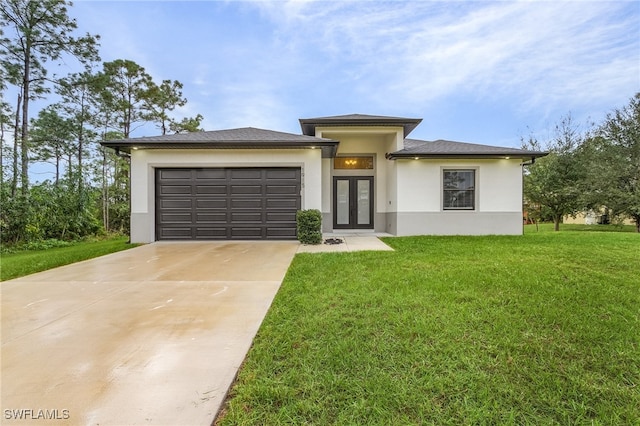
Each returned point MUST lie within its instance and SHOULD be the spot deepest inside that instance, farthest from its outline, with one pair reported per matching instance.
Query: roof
(253, 138)
(450, 149)
(242, 138)
(309, 125)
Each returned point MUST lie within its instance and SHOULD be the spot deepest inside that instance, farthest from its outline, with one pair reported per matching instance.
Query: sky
(474, 71)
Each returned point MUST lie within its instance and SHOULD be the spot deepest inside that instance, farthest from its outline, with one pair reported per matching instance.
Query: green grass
(548, 227)
(14, 265)
(538, 329)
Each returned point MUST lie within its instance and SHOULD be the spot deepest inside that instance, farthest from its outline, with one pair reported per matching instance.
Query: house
(592, 217)
(362, 172)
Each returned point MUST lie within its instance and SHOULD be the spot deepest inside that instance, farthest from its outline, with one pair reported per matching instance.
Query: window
(350, 163)
(459, 189)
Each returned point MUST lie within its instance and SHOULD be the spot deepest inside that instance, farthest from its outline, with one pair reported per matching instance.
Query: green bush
(309, 226)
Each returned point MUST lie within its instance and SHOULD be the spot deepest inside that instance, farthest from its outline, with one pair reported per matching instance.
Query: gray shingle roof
(450, 149)
(253, 138)
(243, 138)
(309, 125)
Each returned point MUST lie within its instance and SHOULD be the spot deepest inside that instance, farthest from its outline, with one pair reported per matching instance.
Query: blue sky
(475, 71)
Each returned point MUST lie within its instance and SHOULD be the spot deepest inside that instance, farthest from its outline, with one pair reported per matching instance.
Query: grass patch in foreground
(14, 265)
(538, 329)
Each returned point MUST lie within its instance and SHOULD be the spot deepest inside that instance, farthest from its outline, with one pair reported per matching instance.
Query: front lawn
(13, 265)
(538, 329)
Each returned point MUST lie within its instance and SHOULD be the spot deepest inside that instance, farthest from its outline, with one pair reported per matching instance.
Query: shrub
(309, 226)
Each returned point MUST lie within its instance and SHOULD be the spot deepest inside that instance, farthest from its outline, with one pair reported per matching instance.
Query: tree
(553, 182)
(78, 97)
(122, 87)
(160, 100)
(40, 32)
(187, 125)
(613, 158)
(51, 137)
(5, 126)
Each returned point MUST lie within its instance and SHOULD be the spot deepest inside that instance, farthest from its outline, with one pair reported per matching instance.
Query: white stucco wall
(419, 206)
(144, 163)
(498, 183)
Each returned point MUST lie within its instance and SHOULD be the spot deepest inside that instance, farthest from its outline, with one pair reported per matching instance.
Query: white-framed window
(458, 189)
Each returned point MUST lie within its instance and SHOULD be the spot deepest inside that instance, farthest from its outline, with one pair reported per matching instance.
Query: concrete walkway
(347, 241)
(149, 336)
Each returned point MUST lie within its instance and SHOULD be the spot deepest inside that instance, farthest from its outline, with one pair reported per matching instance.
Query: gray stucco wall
(455, 223)
(142, 228)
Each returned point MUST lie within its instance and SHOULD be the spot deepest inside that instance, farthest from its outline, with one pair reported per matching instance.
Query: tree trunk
(81, 143)
(105, 191)
(58, 157)
(2, 153)
(24, 143)
(556, 222)
(70, 167)
(16, 138)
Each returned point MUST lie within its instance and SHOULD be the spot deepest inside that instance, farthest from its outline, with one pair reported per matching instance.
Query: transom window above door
(353, 163)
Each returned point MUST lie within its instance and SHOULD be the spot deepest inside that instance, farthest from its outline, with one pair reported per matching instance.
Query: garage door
(227, 203)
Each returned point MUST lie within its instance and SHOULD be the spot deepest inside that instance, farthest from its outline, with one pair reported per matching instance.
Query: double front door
(353, 202)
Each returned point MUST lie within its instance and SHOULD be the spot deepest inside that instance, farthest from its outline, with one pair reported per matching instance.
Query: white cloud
(267, 63)
(420, 52)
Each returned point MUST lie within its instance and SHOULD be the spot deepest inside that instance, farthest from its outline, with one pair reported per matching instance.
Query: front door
(353, 202)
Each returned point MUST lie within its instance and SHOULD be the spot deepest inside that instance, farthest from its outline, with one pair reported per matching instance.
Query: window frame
(359, 161)
(473, 190)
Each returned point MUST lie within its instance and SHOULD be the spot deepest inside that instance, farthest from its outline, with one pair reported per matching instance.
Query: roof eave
(456, 156)
(308, 125)
(328, 147)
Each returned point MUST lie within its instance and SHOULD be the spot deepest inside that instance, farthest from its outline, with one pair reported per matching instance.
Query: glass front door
(353, 202)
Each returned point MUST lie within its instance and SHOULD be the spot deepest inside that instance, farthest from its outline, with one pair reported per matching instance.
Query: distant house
(592, 217)
(361, 171)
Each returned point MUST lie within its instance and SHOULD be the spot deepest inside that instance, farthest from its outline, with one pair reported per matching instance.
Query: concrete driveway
(152, 335)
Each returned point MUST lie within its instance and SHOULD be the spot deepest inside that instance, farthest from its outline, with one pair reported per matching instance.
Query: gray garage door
(227, 203)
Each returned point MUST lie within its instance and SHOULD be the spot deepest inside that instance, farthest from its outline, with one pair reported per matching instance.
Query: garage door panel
(281, 217)
(211, 233)
(211, 189)
(175, 174)
(246, 189)
(246, 203)
(241, 232)
(227, 203)
(176, 233)
(176, 190)
(183, 217)
(282, 189)
(211, 217)
(246, 173)
(175, 203)
(212, 203)
(254, 217)
(291, 174)
(281, 233)
(213, 174)
(282, 203)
